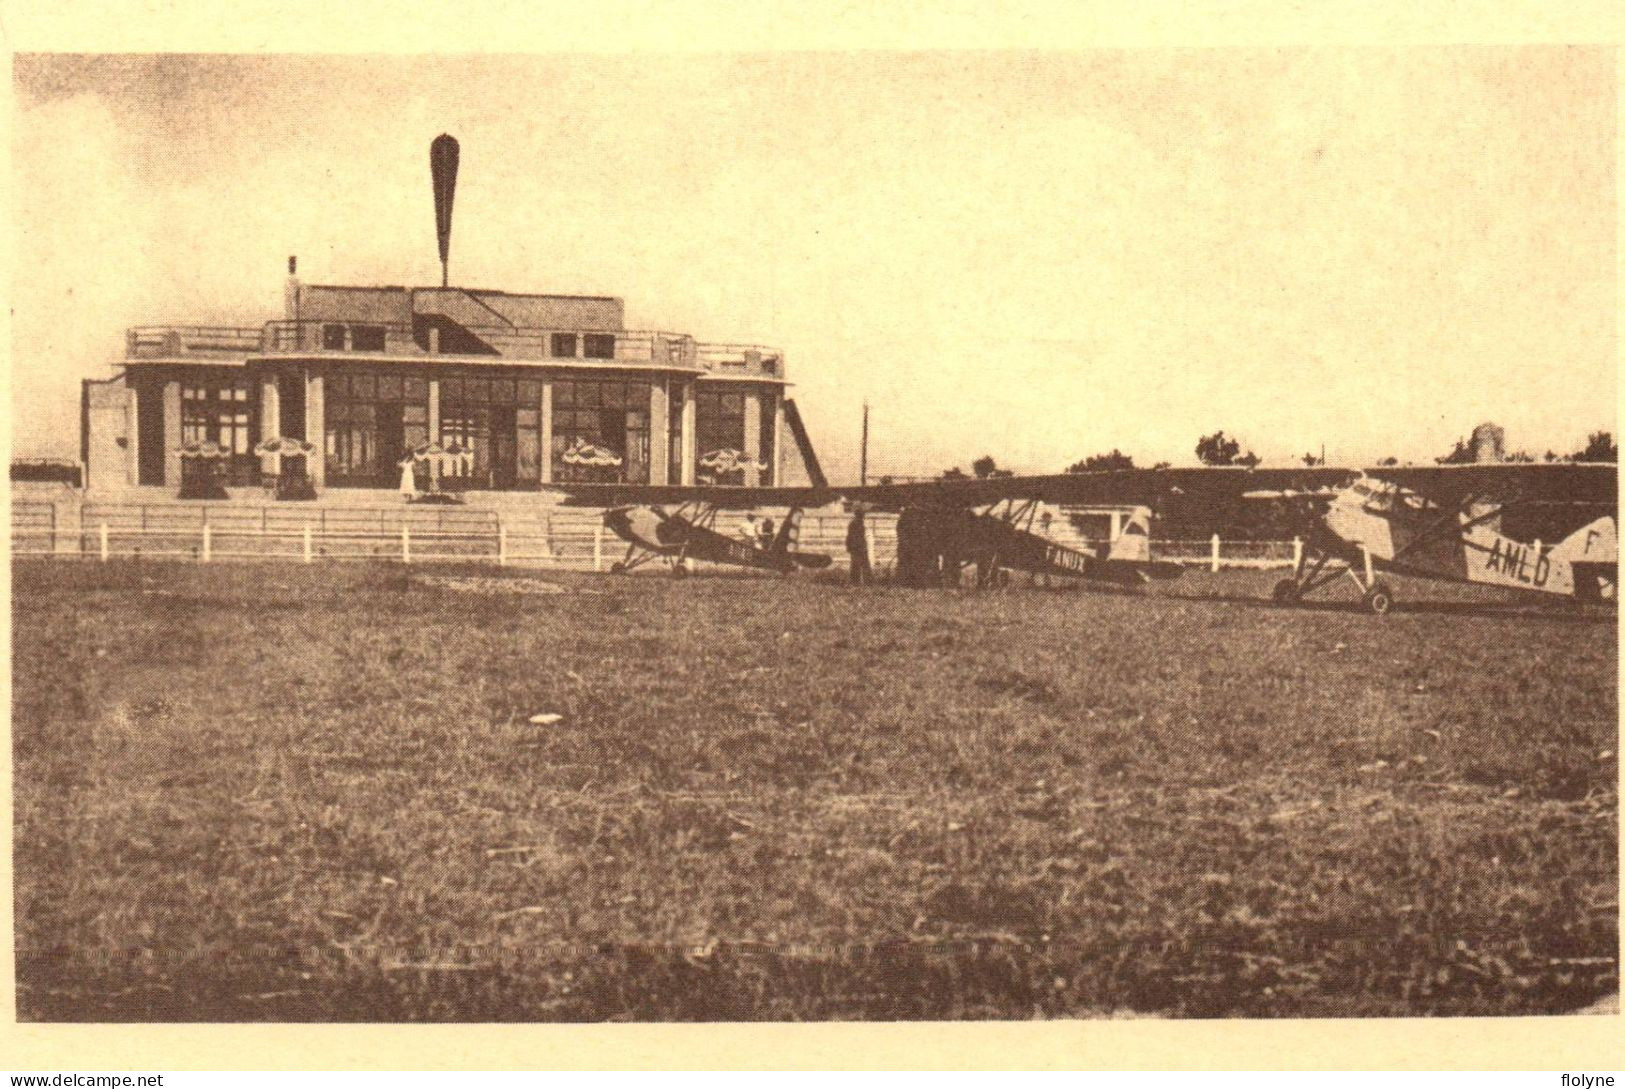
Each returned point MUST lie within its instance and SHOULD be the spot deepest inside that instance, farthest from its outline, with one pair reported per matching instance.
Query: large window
(218, 410)
(498, 419)
(719, 428)
(601, 430)
(372, 419)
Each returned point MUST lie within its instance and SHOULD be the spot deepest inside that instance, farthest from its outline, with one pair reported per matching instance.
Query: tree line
(1221, 449)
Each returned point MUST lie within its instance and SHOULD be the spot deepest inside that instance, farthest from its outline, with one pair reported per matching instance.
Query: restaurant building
(527, 390)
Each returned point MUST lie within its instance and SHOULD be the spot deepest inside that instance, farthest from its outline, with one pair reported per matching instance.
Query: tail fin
(1594, 543)
(789, 533)
(788, 536)
(1134, 542)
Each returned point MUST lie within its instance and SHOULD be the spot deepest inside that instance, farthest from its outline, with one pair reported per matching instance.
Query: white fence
(560, 537)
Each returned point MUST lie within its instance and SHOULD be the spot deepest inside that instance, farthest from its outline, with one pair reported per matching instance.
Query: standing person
(764, 535)
(857, 549)
(409, 480)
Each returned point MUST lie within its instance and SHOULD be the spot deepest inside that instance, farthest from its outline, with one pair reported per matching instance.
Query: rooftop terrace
(519, 344)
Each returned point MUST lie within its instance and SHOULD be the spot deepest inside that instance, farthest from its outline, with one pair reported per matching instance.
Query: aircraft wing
(724, 497)
(1591, 484)
(1111, 487)
(1584, 483)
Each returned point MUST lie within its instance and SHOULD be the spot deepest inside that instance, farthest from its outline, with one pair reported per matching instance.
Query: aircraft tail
(1597, 542)
(788, 536)
(789, 532)
(1133, 543)
(1593, 553)
(1130, 556)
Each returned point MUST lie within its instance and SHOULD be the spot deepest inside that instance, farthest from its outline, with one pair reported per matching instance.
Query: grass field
(291, 793)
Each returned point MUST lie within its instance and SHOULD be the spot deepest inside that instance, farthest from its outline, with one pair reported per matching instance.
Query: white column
(270, 421)
(753, 436)
(547, 429)
(434, 430)
(172, 433)
(778, 438)
(316, 428)
(132, 433)
(659, 433)
(689, 451)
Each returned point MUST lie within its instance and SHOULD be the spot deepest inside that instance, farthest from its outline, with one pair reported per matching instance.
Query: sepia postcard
(911, 552)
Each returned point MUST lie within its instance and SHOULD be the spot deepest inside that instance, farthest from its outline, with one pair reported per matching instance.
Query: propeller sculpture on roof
(443, 157)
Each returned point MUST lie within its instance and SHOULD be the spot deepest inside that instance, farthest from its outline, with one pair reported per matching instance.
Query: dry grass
(276, 792)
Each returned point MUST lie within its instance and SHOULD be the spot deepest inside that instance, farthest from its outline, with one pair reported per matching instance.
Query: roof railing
(361, 338)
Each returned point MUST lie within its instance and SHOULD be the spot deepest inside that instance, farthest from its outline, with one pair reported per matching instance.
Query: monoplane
(1439, 522)
(683, 528)
(935, 544)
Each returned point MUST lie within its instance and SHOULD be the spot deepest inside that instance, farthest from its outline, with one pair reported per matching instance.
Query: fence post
(502, 545)
(307, 542)
(1297, 553)
(1213, 563)
(406, 544)
(598, 547)
(104, 542)
(206, 542)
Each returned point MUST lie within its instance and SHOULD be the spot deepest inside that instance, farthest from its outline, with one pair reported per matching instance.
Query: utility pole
(863, 455)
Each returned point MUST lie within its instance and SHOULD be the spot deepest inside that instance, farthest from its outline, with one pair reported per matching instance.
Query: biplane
(684, 531)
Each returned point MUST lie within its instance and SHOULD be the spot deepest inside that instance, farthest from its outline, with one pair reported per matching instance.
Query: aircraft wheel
(1287, 592)
(678, 571)
(617, 568)
(1379, 599)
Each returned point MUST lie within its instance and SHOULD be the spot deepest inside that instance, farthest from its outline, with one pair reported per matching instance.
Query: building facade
(527, 390)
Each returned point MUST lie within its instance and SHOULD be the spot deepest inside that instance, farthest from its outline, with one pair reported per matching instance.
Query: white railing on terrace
(564, 538)
(652, 347)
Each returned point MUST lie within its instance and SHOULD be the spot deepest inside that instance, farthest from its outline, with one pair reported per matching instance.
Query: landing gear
(1317, 569)
(617, 568)
(1379, 599)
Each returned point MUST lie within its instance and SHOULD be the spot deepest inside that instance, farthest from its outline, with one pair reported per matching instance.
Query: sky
(1033, 255)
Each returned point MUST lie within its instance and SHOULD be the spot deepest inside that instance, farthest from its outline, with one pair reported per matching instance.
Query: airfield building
(526, 389)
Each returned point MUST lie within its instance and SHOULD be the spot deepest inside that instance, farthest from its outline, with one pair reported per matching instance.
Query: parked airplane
(688, 531)
(1432, 522)
(935, 545)
(1434, 529)
(936, 542)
